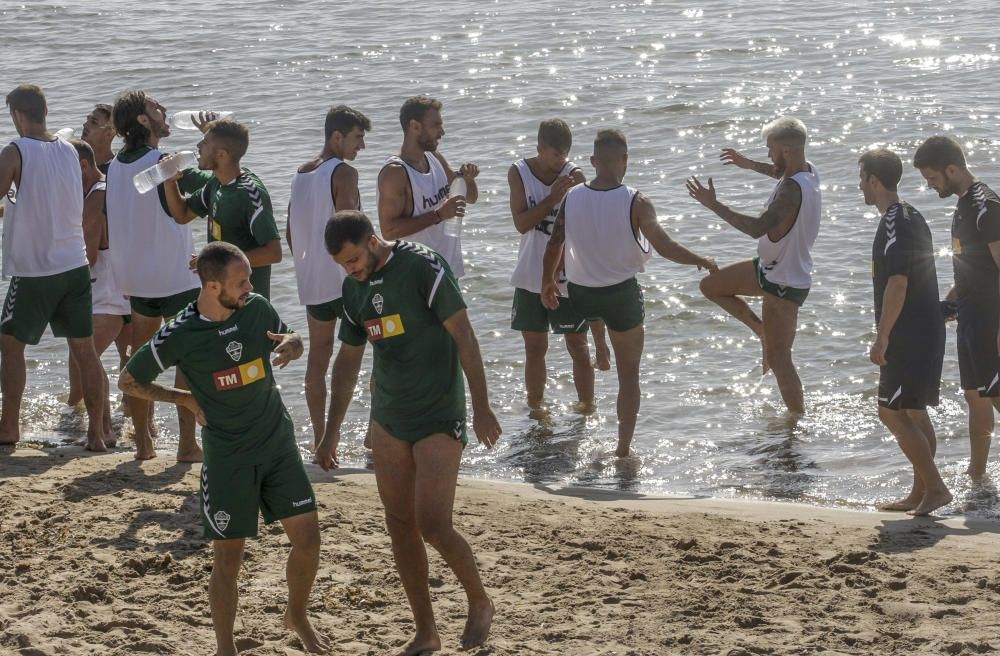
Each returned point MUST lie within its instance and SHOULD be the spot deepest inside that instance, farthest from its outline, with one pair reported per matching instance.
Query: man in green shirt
(235, 201)
(403, 298)
(222, 343)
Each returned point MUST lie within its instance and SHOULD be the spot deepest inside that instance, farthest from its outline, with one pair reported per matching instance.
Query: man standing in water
(413, 186)
(403, 298)
(785, 233)
(236, 202)
(46, 258)
(975, 238)
(322, 187)
(604, 230)
(537, 187)
(223, 342)
(909, 344)
(150, 251)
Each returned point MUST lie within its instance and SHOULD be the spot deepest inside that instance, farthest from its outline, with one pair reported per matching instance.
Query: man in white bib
(604, 230)
(785, 233)
(413, 186)
(45, 257)
(323, 186)
(537, 188)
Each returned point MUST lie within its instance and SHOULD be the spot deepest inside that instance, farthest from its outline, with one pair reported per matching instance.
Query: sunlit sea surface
(683, 80)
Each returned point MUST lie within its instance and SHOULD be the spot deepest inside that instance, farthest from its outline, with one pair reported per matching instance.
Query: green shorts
(796, 295)
(621, 305)
(329, 311)
(415, 431)
(165, 306)
(62, 300)
(232, 495)
(529, 315)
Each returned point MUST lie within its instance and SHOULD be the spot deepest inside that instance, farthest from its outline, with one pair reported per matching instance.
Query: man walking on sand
(223, 342)
(604, 231)
(909, 345)
(785, 234)
(403, 298)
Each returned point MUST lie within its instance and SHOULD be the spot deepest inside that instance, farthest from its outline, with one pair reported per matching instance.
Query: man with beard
(785, 233)
(909, 345)
(223, 342)
(975, 238)
(322, 187)
(403, 298)
(413, 186)
(45, 256)
(150, 251)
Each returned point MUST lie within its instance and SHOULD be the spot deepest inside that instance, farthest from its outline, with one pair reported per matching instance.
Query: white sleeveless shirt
(430, 191)
(531, 253)
(106, 297)
(43, 221)
(601, 248)
(319, 278)
(149, 250)
(788, 262)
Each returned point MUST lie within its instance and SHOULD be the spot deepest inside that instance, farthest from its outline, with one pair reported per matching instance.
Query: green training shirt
(400, 309)
(228, 369)
(240, 213)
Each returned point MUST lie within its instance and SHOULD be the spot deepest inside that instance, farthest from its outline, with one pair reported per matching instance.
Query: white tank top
(106, 297)
(149, 250)
(788, 262)
(601, 248)
(43, 222)
(320, 279)
(430, 191)
(531, 253)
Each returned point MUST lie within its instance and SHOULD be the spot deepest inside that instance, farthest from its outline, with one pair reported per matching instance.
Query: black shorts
(978, 361)
(911, 379)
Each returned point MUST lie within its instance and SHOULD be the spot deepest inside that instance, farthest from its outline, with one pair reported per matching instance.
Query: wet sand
(102, 554)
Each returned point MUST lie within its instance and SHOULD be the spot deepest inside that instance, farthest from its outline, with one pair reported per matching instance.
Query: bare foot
(313, 642)
(585, 407)
(193, 454)
(933, 500)
(10, 438)
(96, 443)
(902, 505)
(422, 646)
(602, 360)
(110, 440)
(144, 449)
(477, 627)
(975, 472)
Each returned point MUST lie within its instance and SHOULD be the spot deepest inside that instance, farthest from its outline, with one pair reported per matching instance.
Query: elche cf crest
(235, 350)
(378, 302)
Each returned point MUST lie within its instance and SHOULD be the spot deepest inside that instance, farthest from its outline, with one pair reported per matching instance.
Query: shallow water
(683, 80)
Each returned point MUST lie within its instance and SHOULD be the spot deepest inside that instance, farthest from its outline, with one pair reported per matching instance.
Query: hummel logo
(226, 331)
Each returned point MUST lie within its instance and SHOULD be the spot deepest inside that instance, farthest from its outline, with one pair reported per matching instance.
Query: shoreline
(106, 555)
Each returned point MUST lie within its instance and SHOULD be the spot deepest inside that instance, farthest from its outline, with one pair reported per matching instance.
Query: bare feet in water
(313, 642)
(932, 500)
(905, 504)
(477, 627)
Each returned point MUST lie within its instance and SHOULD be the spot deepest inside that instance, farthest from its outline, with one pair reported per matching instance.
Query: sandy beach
(103, 554)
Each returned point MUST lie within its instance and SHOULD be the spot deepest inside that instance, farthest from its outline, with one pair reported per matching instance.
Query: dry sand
(103, 555)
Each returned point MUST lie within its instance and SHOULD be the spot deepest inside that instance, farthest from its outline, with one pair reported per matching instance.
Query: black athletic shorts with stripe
(911, 378)
(978, 361)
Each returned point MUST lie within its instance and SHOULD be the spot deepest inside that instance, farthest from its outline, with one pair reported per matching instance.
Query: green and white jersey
(239, 213)
(227, 366)
(400, 309)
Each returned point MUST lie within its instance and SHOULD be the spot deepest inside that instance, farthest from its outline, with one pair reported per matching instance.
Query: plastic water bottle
(453, 226)
(185, 120)
(65, 134)
(147, 180)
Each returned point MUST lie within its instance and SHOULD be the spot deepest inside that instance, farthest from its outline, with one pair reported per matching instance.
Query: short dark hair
(232, 136)
(84, 151)
(554, 133)
(610, 138)
(104, 108)
(414, 109)
(129, 106)
(215, 258)
(347, 226)
(343, 119)
(884, 164)
(28, 99)
(938, 153)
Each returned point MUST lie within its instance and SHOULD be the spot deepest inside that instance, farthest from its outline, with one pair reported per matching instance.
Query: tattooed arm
(156, 392)
(782, 210)
(738, 159)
